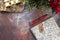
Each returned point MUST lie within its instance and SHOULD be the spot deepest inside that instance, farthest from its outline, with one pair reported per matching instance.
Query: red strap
(37, 20)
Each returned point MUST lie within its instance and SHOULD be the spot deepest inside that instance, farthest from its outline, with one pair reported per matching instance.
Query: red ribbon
(34, 22)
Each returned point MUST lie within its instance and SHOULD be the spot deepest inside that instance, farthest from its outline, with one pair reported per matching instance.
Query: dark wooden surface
(9, 31)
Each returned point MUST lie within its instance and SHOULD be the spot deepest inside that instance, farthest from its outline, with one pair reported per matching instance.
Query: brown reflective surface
(9, 31)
